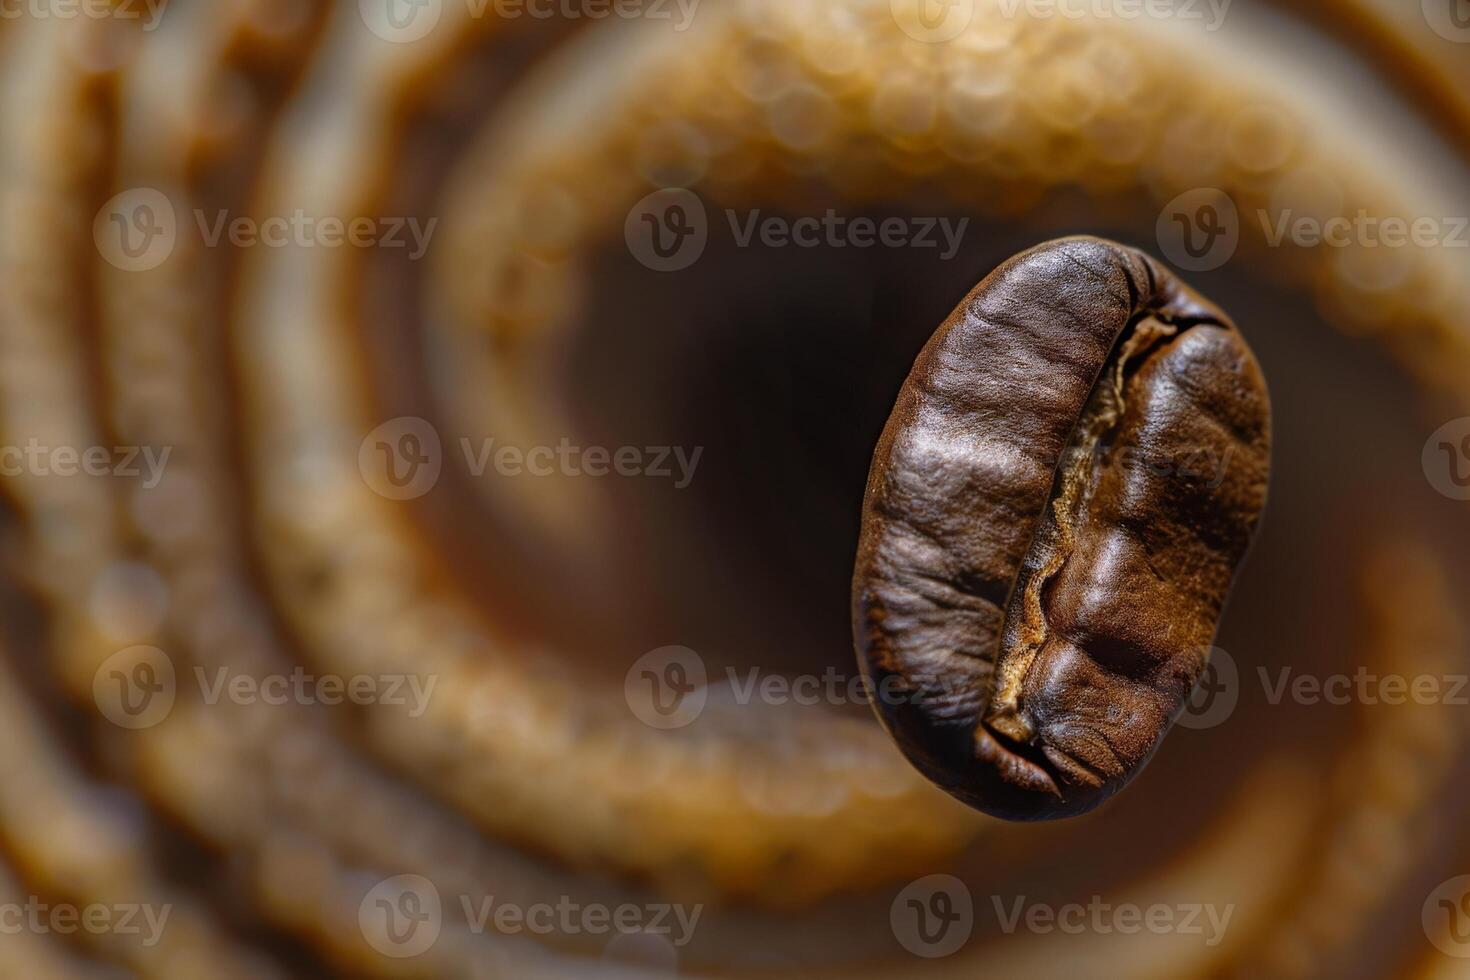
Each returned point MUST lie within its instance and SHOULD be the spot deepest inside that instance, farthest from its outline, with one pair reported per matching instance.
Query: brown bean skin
(1055, 513)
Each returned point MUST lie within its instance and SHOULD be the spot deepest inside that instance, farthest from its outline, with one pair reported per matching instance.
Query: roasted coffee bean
(1054, 516)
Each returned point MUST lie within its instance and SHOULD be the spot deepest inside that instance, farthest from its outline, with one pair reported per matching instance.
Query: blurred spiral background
(280, 494)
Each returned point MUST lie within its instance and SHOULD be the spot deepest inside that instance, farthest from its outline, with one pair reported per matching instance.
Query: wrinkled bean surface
(1056, 510)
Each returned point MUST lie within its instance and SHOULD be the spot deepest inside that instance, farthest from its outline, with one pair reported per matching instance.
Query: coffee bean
(1056, 510)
